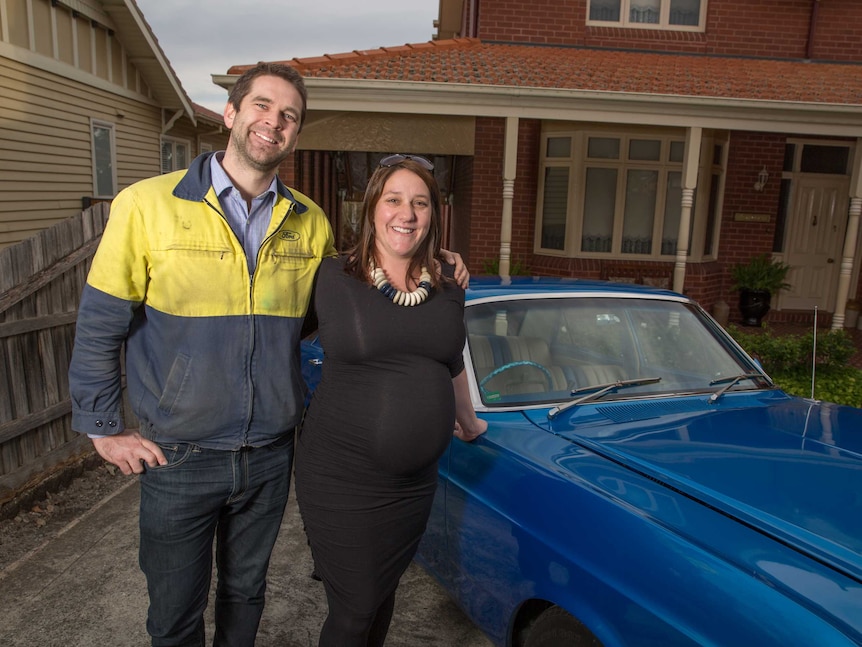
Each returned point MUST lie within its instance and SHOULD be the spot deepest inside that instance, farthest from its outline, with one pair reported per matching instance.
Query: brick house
(653, 141)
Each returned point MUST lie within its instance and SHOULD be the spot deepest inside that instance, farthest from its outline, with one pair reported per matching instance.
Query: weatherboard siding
(45, 145)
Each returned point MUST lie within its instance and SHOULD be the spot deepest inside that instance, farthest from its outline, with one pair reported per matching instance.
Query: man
(206, 275)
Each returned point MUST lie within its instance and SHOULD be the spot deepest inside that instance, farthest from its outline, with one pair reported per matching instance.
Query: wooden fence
(40, 287)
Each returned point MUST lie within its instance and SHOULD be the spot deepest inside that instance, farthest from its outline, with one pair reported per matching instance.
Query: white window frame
(578, 163)
(663, 23)
(97, 124)
(175, 143)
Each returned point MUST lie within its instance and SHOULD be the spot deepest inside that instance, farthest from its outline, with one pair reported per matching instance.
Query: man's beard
(263, 163)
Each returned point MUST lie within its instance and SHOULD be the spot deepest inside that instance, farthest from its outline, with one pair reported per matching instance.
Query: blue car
(642, 482)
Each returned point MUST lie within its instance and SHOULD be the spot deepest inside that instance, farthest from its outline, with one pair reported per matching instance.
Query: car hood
(788, 467)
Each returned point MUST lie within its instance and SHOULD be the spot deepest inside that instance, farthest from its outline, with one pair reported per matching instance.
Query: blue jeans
(236, 498)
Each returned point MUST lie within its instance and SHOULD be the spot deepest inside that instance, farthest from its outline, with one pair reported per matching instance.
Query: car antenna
(814, 354)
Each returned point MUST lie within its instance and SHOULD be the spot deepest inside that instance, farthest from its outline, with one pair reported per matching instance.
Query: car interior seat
(593, 374)
(490, 352)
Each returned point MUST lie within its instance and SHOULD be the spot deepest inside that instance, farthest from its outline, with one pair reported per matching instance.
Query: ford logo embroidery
(290, 236)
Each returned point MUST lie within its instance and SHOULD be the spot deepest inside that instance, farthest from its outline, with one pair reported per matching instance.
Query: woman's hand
(468, 426)
(478, 428)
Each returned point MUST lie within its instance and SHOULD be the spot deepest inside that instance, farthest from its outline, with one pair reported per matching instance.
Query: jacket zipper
(249, 377)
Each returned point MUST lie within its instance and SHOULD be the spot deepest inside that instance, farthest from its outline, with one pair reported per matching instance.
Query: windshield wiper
(729, 383)
(597, 391)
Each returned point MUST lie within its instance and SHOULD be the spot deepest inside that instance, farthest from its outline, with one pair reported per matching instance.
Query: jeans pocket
(175, 453)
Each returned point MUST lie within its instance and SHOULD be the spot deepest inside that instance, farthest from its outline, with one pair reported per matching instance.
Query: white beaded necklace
(414, 298)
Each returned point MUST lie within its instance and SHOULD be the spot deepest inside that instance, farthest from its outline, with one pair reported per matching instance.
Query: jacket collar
(197, 181)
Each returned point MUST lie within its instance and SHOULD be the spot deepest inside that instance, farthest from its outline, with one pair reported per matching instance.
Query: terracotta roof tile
(201, 111)
(469, 60)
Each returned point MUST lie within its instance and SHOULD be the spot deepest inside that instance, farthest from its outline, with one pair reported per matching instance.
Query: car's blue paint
(655, 517)
(311, 358)
(494, 287)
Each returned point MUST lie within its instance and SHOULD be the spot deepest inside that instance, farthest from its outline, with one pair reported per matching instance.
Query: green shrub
(790, 352)
(838, 384)
(787, 360)
(492, 266)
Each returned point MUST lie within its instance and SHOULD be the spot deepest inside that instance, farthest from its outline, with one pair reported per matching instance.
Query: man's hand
(129, 451)
(462, 274)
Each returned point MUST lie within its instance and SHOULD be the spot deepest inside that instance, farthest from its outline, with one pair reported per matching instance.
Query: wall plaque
(740, 216)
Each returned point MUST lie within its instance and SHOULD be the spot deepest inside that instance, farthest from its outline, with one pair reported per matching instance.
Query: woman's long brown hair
(362, 252)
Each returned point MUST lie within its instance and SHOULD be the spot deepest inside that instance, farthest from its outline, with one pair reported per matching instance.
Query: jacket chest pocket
(198, 280)
(291, 258)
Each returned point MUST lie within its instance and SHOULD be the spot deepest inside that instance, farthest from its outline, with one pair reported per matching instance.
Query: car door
(481, 539)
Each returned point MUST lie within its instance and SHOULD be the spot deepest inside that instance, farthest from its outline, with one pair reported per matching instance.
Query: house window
(620, 196)
(631, 196)
(175, 154)
(825, 159)
(554, 192)
(654, 14)
(554, 197)
(104, 159)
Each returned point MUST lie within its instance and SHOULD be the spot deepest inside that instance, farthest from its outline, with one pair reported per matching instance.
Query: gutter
(463, 99)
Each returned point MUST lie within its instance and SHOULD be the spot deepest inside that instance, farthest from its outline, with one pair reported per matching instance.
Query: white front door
(814, 243)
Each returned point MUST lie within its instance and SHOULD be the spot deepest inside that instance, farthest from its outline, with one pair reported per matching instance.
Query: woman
(391, 324)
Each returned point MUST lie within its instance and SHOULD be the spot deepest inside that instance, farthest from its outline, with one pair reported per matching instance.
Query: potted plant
(757, 280)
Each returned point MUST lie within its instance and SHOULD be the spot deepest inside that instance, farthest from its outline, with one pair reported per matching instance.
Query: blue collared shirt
(249, 225)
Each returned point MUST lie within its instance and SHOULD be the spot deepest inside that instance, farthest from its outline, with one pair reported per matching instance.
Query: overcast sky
(205, 38)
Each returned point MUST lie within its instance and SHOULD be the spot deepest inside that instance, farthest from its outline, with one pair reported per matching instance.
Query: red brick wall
(703, 283)
(526, 183)
(771, 28)
(839, 31)
(646, 39)
(487, 199)
(462, 209)
(768, 28)
(749, 153)
(487, 191)
(540, 21)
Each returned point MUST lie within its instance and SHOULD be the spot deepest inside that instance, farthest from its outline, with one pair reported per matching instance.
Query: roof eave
(418, 97)
(146, 54)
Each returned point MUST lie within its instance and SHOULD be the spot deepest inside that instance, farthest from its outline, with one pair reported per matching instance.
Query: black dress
(383, 413)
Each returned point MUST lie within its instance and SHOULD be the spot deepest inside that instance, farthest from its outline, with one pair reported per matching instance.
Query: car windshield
(538, 351)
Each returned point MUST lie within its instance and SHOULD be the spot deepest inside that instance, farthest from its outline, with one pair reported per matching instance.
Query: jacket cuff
(99, 423)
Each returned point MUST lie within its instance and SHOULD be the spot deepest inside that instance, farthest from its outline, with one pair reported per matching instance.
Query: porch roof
(473, 61)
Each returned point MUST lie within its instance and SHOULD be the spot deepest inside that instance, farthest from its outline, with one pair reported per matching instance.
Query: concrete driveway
(84, 588)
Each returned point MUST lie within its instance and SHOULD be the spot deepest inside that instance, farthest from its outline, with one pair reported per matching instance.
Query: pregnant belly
(411, 440)
(393, 423)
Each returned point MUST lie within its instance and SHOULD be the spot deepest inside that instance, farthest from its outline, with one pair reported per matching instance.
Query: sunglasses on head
(393, 160)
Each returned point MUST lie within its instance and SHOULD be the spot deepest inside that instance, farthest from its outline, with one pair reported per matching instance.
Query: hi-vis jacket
(211, 353)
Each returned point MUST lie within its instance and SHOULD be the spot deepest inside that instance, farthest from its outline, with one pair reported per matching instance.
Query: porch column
(848, 258)
(510, 163)
(690, 163)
